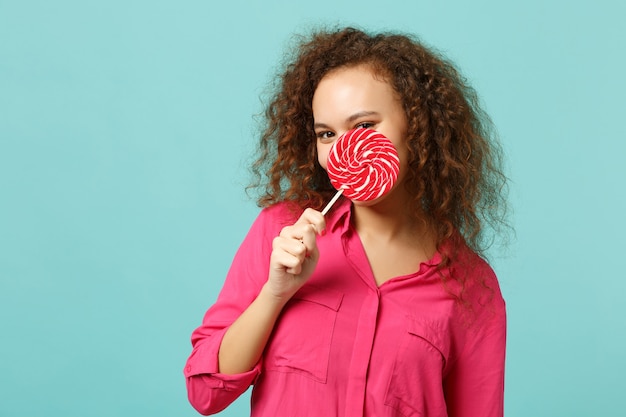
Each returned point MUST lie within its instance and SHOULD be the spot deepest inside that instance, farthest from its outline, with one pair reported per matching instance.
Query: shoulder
(480, 286)
(273, 218)
(283, 213)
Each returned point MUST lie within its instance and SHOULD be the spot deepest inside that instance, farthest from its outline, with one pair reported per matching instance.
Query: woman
(382, 308)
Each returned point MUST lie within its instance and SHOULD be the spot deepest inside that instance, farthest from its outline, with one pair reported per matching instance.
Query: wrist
(271, 299)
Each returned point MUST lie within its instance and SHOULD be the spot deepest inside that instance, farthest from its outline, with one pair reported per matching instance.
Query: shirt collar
(339, 216)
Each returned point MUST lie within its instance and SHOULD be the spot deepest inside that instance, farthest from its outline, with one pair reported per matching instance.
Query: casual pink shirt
(344, 346)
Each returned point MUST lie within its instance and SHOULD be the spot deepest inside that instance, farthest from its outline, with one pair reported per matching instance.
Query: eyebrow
(350, 119)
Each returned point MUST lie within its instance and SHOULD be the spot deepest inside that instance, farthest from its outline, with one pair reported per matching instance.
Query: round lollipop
(363, 165)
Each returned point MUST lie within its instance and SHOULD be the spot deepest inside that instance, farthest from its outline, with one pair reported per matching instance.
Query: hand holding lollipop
(363, 165)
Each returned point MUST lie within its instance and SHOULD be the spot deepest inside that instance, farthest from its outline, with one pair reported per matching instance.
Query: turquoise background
(125, 132)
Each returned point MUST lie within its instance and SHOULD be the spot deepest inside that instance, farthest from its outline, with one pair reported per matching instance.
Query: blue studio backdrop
(126, 132)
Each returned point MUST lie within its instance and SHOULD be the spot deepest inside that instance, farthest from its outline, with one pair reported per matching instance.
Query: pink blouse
(344, 346)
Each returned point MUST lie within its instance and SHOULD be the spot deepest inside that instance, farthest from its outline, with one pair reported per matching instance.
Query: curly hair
(455, 164)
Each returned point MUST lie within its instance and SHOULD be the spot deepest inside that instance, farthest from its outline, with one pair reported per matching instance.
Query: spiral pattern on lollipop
(364, 164)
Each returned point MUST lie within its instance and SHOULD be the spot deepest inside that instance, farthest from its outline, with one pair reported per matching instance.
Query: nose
(340, 133)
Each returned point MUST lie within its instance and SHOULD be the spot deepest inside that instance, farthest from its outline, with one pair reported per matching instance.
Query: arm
(293, 260)
(229, 344)
(475, 385)
(245, 340)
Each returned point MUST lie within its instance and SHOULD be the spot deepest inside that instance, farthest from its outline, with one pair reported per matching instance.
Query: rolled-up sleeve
(208, 390)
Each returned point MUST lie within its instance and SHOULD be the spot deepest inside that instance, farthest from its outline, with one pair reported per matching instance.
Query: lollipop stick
(332, 201)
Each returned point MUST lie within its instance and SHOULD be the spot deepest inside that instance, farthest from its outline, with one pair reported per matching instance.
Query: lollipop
(363, 165)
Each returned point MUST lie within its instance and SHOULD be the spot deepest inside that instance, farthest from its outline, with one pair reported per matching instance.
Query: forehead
(353, 86)
(362, 74)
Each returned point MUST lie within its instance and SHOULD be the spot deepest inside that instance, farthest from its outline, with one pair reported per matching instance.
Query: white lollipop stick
(332, 201)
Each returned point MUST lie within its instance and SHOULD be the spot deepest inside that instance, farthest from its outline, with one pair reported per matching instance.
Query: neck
(391, 219)
(395, 239)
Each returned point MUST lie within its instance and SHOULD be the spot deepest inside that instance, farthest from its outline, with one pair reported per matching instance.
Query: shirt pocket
(302, 336)
(416, 381)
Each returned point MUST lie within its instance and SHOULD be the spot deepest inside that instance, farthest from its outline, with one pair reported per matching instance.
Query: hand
(294, 255)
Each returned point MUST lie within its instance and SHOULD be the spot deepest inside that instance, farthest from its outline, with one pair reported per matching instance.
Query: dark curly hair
(454, 174)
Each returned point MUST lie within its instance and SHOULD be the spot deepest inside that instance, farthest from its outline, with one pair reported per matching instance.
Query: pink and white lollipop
(363, 165)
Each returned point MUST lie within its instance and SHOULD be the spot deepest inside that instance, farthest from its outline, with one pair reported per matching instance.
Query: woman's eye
(325, 135)
(365, 125)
